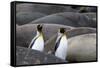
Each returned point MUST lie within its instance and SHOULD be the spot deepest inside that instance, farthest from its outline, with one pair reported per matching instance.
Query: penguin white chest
(38, 44)
(61, 51)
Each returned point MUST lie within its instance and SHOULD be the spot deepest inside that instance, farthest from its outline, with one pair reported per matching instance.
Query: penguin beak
(41, 25)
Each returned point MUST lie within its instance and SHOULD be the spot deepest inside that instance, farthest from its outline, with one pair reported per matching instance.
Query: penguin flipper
(57, 44)
(32, 42)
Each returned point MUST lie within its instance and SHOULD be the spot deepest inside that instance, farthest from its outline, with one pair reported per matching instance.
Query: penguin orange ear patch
(46, 33)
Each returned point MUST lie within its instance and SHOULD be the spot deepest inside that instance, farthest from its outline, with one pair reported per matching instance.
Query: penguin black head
(39, 27)
(62, 30)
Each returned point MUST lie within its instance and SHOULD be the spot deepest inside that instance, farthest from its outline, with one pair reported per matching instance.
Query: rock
(69, 19)
(26, 17)
(43, 8)
(82, 48)
(25, 56)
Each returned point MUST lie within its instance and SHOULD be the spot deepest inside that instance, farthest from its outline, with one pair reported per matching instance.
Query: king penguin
(37, 42)
(61, 44)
